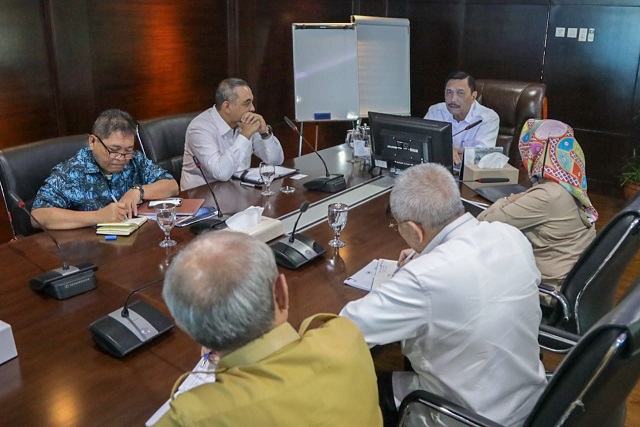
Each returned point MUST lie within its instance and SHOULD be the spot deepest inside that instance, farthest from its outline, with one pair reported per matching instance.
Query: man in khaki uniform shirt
(224, 290)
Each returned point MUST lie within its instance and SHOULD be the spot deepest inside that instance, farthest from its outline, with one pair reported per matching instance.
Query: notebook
(123, 228)
(252, 175)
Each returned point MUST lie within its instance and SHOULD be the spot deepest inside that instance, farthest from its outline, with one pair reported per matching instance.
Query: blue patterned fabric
(78, 183)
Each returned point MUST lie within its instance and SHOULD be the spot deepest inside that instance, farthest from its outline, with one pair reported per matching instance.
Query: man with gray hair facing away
(464, 305)
(224, 290)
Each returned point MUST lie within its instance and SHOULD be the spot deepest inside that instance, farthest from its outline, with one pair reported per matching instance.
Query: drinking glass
(267, 173)
(352, 135)
(337, 218)
(166, 219)
(362, 147)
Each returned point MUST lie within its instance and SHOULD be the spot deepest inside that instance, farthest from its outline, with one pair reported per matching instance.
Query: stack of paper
(123, 228)
(373, 274)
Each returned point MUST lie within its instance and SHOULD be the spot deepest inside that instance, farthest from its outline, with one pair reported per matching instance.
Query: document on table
(203, 373)
(373, 274)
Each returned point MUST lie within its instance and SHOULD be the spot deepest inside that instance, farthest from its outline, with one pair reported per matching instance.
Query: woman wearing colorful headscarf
(555, 214)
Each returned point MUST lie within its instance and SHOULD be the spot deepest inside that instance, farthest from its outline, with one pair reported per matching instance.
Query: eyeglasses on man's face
(115, 155)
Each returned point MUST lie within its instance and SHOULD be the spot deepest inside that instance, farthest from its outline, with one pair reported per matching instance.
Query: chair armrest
(556, 340)
(443, 407)
(562, 300)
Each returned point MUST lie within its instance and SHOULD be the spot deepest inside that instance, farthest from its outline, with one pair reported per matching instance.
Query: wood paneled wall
(64, 61)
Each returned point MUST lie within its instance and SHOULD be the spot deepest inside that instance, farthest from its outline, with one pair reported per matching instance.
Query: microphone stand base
(294, 255)
(209, 224)
(328, 184)
(119, 335)
(63, 284)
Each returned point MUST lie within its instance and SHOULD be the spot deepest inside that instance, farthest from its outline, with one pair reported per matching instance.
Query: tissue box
(474, 172)
(267, 230)
(7, 344)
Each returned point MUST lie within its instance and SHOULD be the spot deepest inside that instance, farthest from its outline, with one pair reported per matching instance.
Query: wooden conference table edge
(61, 378)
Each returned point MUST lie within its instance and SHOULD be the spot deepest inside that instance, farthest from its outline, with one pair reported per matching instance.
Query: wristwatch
(268, 133)
(141, 190)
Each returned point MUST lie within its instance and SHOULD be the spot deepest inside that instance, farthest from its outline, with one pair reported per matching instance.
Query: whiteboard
(383, 65)
(343, 71)
(325, 69)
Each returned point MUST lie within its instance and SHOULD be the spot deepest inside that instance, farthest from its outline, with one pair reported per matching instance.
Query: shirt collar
(90, 162)
(222, 126)
(459, 225)
(262, 347)
(473, 114)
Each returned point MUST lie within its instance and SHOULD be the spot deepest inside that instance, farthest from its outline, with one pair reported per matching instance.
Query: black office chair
(588, 292)
(23, 170)
(589, 388)
(163, 140)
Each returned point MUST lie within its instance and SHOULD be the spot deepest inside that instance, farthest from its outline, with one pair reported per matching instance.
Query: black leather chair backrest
(590, 287)
(163, 141)
(514, 102)
(24, 168)
(591, 385)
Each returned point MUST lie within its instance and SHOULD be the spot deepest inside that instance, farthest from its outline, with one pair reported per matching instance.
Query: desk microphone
(486, 180)
(471, 126)
(330, 183)
(64, 282)
(295, 251)
(123, 330)
(210, 223)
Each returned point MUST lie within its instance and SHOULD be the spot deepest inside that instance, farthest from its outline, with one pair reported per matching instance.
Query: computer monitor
(399, 142)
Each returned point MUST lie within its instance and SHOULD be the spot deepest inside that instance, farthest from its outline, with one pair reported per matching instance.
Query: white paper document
(253, 175)
(373, 274)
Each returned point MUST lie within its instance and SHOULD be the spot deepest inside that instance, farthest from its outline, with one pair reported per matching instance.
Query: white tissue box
(7, 344)
(268, 229)
(472, 172)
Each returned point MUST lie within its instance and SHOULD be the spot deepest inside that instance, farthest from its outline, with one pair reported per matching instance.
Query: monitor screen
(399, 142)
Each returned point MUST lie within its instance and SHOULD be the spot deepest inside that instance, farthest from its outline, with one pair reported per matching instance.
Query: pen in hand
(406, 260)
(116, 201)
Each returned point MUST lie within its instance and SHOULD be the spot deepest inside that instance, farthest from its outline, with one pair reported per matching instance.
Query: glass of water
(352, 136)
(267, 173)
(166, 219)
(337, 218)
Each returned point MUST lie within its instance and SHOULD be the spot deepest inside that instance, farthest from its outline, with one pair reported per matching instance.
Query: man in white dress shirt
(224, 137)
(464, 305)
(461, 110)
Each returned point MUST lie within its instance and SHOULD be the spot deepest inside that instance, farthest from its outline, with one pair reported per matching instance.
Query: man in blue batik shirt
(103, 182)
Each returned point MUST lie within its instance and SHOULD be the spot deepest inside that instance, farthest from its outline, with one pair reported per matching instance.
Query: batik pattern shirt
(78, 183)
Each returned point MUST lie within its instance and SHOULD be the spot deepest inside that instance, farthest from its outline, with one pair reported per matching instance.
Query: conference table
(61, 377)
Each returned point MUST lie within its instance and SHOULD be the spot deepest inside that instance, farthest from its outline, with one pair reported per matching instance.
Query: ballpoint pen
(406, 260)
(248, 184)
(205, 360)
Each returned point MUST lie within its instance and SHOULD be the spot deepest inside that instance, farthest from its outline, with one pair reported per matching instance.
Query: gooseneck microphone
(303, 208)
(123, 330)
(210, 223)
(471, 126)
(64, 282)
(297, 250)
(330, 183)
